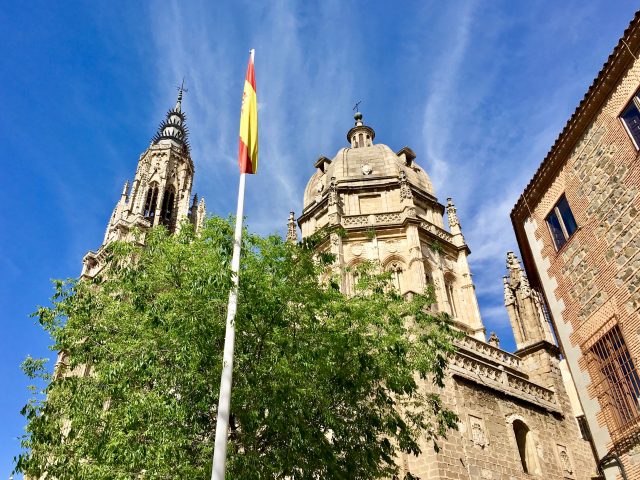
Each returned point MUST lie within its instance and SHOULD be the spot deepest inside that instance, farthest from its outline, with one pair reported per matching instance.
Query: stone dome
(365, 164)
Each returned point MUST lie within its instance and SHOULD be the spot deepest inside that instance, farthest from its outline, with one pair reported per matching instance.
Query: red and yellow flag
(248, 150)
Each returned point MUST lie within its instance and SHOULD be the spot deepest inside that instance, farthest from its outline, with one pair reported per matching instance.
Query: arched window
(395, 267)
(151, 202)
(352, 277)
(360, 140)
(526, 448)
(451, 296)
(430, 285)
(166, 211)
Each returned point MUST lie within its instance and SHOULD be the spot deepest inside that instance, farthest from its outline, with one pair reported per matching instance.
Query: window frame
(616, 381)
(561, 223)
(635, 100)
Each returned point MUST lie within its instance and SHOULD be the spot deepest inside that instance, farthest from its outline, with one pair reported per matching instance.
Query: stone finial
(509, 297)
(405, 189)
(494, 340)
(201, 214)
(452, 214)
(125, 190)
(512, 261)
(292, 232)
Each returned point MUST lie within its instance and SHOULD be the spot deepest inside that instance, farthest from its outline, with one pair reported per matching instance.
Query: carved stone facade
(160, 192)
(592, 280)
(516, 420)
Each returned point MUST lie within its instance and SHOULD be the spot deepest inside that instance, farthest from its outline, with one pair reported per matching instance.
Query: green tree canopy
(325, 386)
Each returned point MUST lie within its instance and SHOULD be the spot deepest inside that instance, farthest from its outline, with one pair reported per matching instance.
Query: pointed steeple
(173, 128)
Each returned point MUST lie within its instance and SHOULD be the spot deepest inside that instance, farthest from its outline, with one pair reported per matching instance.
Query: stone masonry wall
(485, 447)
(598, 269)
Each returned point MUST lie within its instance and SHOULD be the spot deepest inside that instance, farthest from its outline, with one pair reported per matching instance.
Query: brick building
(578, 231)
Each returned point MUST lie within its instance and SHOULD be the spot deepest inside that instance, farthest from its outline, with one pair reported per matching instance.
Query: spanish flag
(248, 148)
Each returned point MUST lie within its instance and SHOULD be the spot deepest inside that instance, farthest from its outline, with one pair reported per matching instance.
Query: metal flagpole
(222, 423)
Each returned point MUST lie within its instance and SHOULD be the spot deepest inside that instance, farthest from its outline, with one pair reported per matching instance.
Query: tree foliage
(325, 386)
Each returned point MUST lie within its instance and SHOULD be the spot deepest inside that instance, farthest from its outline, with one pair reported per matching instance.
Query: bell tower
(160, 193)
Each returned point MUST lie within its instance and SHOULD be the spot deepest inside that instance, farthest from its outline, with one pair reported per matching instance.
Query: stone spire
(454, 223)
(292, 232)
(160, 191)
(173, 128)
(524, 306)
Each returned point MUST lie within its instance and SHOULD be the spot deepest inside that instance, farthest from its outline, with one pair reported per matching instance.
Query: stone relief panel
(566, 465)
(477, 432)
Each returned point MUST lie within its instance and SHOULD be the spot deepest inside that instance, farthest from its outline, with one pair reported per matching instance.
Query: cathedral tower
(160, 193)
(388, 207)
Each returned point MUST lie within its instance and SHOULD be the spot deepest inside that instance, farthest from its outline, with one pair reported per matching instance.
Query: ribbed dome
(365, 164)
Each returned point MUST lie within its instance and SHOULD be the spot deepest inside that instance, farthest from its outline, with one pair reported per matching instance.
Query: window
(561, 222)
(451, 297)
(150, 203)
(618, 383)
(631, 119)
(526, 448)
(585, 432)
(167, 206)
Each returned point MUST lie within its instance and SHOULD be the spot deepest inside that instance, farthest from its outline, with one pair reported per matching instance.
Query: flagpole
(224, 401)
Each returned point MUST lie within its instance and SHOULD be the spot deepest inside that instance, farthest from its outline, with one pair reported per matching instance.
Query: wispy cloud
(299, 87)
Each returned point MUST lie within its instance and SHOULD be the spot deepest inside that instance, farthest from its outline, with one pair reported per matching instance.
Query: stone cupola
(360, 135)
(387, 204)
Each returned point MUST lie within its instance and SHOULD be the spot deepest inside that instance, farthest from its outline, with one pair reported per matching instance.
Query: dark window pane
(631, 117)
(567, 216)
(556, 230)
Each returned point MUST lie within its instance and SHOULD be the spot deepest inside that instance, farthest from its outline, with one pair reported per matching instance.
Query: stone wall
(597, 272)
(485, 445)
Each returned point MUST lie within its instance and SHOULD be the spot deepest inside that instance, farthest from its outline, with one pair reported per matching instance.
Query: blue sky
(479, 90)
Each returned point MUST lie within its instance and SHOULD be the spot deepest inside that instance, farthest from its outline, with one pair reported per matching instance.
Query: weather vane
(356, 107)
(181, 87)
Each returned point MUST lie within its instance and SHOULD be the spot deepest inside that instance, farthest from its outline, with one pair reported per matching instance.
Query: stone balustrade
(498, 378)
(489, 351)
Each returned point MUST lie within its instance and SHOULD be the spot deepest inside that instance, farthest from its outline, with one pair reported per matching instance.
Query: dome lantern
(361, 135)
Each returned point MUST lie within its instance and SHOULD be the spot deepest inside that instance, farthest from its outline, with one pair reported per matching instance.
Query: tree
(325, 386)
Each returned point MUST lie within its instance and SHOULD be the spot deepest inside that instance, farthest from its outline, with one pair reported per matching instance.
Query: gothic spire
(173, 128)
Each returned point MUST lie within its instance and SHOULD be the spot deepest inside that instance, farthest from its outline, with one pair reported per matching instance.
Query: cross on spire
(356, 107)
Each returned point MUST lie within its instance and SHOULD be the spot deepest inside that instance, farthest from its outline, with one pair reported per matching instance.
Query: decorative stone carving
(366, 169)
(565, 460)
(356, 249)
(405, 189)
(478, 435)
(334, 197)
(292, 232)
(494, 341)
(452, 214)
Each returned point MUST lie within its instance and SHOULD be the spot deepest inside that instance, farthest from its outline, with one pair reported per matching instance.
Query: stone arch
(397, 265)
(167, 211)
(451, 292)
(151, 202)
(430, 282)
(351, 275)
(525, 444)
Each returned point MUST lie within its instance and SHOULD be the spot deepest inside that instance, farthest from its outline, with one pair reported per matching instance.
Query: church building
(516, 418)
